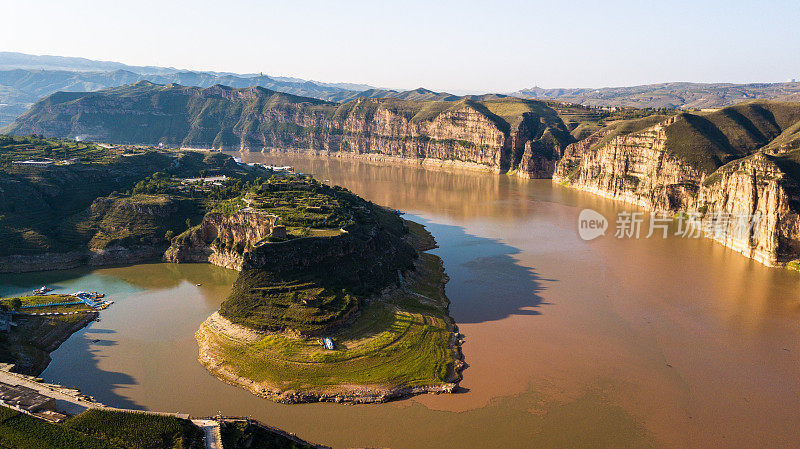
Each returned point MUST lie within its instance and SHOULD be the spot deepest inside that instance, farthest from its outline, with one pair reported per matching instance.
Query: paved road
(212, 431)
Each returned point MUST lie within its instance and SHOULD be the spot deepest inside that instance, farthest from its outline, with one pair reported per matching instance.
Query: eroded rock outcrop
(634, 168)
(639, 168)
(753, 187)
(222, 239)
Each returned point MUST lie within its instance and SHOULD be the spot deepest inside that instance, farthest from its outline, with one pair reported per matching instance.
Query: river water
(570, 344)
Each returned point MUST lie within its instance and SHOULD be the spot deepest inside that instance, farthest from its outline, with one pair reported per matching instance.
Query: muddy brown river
(628, 343)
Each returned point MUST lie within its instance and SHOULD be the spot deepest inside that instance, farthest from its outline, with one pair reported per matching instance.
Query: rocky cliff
(759, 187)
(634, 168)
(222, 239)
(504, 134)
(736, 162)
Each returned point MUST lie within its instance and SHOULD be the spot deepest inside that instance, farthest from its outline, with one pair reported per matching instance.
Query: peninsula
(336, 300)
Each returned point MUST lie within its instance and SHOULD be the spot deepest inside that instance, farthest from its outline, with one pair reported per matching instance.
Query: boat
(328, 343)
(42, 290)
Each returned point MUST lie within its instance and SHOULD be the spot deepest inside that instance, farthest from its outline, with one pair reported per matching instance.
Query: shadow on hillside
(486, 282)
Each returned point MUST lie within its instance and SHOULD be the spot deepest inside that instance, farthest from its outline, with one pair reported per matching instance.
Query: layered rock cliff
(506, 134)
(222, 239)
(727, 167)
(634, 168)
(752, 206)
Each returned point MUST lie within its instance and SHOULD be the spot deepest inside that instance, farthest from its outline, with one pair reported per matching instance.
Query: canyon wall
(638, 168)
(752, 187)
(507, 134)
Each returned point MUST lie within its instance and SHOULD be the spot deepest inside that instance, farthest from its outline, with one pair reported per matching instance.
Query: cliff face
(222, 239)
(754, 186)
(649, 169)
(633, 168)
(506, 134)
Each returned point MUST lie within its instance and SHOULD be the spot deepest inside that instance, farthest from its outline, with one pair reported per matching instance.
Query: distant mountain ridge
(25, 79)
(14, 60)
(668, 95)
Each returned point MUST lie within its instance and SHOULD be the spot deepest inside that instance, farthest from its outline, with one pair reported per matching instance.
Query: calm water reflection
(610, 343)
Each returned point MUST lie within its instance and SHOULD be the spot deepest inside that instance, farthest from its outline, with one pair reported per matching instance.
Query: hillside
(710, 140)
(501, 134)
(52, 209)
(668, 95)
(20, 88)
(26, 79)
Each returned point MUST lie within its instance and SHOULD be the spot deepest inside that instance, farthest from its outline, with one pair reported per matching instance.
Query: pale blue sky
(443, 45)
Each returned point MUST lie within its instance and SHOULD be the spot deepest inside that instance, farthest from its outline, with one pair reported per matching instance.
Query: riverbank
(74, 259)
(29, 344)
(429, 163)
(401, 343)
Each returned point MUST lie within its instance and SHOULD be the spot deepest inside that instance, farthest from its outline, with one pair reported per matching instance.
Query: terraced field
(400, 339)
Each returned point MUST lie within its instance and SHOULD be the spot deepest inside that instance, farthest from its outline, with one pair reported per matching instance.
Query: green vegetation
(62, 208)
(138, 430)
(306, 203)
(400, 340)
(96, 429)
(20, 431)
(245, 435)
(17, 148)
(28, 345)
(624, 127)
(709, 140)
(23, 301)
(310, 284)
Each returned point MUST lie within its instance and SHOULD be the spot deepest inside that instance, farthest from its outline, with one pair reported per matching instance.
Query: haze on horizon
(456, 46)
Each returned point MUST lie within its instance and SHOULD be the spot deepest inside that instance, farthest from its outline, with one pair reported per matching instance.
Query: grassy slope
(131, 220)
(47, 209)
(190, 116)
(710, 140)
(97, 429)
(30, 147)
(624, 127)
(308, 285)
(403, 339)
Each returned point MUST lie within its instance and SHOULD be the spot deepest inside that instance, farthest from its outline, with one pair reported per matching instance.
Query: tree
(188, 223)
(16, 303)
(169, 235)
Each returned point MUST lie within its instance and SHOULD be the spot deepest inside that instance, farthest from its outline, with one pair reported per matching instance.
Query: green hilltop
(712, 139)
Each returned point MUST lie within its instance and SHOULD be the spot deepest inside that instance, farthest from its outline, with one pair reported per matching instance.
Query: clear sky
(482, 46)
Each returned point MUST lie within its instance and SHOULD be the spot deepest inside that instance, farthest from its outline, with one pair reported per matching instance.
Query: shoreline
(432, 163)
(21, 263)
(736, 246)
(34, 360)
(218, 327)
